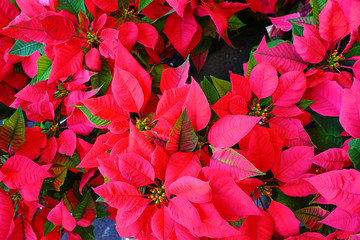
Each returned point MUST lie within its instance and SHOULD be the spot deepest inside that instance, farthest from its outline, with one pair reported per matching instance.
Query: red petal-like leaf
(228, 198)
(99, 147)
(68, 59)
(129, 34)
(332, 22)
(332, 159)
(6, 216)
(284, 57)
(263, 80)
(127, 91)
(180, 31)
(159, 159)
(136, 169)
(121, 195)
(148, 35)
(257, 227)
(291, 131)
(93, 60)
(298, 187)
(35, 140)
(162, 224)
(338, 188)
(22, 230)
(213, 225)
(293, 163)
(310, 48)
(291, 88)
(171, 104)
(193, 189)
(60, 216)
(31, 8)
(20, 171)
(30, 192)
(286, 224)
(350, 113)
(234, 163)
(240, 86)
(181, 164)
(106, 108)
(67, 142)
(328, 97)
(58, 27)
(126, 218)
(231, 129)
(125, 61)
(178, 6)
(197, 107)
(343, 220)
(174, 77)
(183, 212)
(264, 144)
(139, 144)
(107, 5)
(109, 167)
(142, 227)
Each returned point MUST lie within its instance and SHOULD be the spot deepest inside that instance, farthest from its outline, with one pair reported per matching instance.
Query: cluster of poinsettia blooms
(99, 119)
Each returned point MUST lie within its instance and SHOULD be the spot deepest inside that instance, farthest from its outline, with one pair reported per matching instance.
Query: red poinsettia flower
(241, 110)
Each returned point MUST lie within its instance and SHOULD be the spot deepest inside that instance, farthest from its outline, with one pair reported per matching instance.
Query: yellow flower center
(158, 195)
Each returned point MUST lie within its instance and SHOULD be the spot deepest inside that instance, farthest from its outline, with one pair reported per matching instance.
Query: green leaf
(60, 174)
(24, 49)
(236, 164)
(294, 203)
(102, 79)
(91, 117)
(304, 103)
(100, 211)
(43, 69)
(323, 140)
(265, 102)
(85, 233)
(251, 64)
(317, 6)
(222, 86)
(354, 152)
(12, 132)
(182, 137)
(275, 42)
(297, 29)
(209, 91)
(100, 199)
(306, 20)
(86, 204)
(48, 227)
(73, 6)
(236, 223)
(143, 4)
(234, 23)
(203, 45)
(311, 216)
(354, 51)
(64, 160)
(156, 74)
(76, 159)
(331, 124)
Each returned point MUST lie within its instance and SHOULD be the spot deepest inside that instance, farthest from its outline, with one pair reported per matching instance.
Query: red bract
(232, 127)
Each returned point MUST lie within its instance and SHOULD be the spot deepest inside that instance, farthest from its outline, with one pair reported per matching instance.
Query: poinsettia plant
(98, 124)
